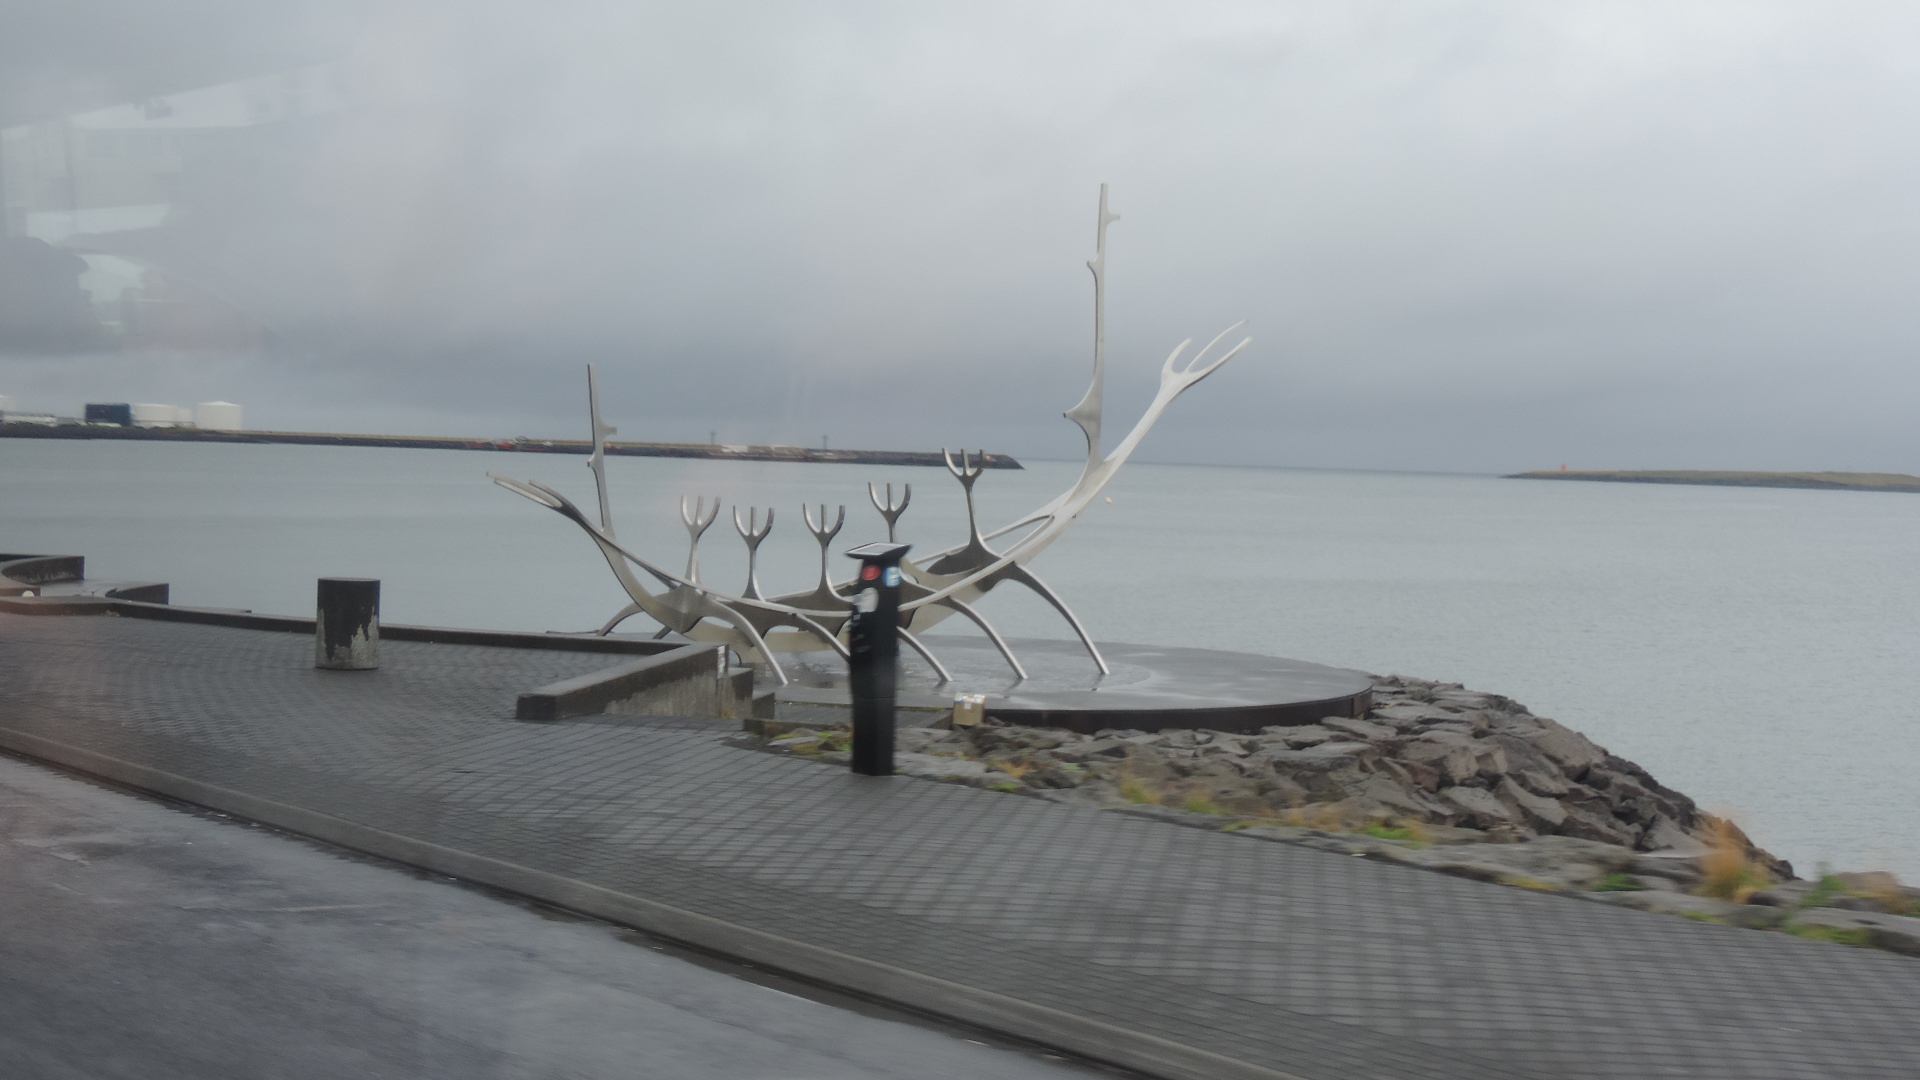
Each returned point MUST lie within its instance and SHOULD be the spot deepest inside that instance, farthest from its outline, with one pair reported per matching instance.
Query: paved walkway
(226, 952)
(1288, 961)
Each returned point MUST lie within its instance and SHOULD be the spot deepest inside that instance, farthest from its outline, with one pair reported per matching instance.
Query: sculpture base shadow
(1151, 688)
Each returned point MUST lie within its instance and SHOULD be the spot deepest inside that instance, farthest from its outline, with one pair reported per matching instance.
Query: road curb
(1080, 1035)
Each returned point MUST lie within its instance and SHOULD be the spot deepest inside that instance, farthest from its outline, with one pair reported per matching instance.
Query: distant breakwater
(710, 451)
(1843, 481)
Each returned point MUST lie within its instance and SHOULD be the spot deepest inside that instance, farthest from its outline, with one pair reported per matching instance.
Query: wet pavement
(1273, 959)
(146, 940)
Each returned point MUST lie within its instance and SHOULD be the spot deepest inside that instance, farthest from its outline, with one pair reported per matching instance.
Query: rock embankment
(1435, 776)
(1432, 756)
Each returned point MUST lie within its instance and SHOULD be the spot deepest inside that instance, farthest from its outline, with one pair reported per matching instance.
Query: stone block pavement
(1277, 960)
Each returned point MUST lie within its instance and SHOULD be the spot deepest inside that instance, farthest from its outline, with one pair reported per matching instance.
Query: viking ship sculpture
(936, 586)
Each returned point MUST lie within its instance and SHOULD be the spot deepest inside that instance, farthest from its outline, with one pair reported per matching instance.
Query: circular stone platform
(1151, 687)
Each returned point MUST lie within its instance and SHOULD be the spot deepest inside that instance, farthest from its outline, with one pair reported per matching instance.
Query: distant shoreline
(1842, 481)
(711, 451)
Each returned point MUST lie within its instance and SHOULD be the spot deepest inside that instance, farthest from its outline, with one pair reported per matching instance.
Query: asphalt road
(139, 939)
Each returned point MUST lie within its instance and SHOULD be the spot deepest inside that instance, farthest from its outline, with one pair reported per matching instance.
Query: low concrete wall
(1237, 719)
(156, 592)
(438, 635)
(149, 601)
(57, 584)
(41, 569)
(54, 605)
(687, 680)
(673, 679)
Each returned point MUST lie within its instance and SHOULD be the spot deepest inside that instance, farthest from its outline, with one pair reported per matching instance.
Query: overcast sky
(1468, 237)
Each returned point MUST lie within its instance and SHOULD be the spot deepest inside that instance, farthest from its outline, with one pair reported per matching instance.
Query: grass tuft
(1619, 882)
(1823, 891)
(1411, 831)
(1325, 818)
(1528, 883)
(1201, 804)
(1016, 769)
(1857, 938)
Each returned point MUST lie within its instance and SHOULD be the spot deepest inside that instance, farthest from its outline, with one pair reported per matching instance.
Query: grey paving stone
(1320, 964)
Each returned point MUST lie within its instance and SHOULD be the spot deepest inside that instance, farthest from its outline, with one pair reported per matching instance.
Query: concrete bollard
(346, 626)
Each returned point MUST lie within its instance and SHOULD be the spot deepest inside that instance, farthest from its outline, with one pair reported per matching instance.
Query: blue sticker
(893, 577)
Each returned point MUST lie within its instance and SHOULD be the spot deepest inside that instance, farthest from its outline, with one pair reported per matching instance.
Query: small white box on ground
(969, 709)
(218, 416)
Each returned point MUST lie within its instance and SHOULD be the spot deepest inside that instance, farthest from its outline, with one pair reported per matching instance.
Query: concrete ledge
(683, 681)
(1244, 718)
(512, 639)
(40, 569)
(27, 579)
(151, 592)
(439, 635)
(1087, 1037)
(79, 598)
(20, 573)
(56, 605)
(126, 604)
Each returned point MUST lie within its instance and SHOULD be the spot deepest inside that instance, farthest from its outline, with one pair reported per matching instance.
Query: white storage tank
(218, 416)
(152, 415)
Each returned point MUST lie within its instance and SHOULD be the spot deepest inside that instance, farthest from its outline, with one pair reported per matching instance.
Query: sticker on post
(866, 600)
(892, 578)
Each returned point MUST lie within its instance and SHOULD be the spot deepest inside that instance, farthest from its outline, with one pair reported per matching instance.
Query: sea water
(1751, 647)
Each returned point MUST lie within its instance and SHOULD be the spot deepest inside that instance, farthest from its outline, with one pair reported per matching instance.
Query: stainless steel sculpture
(937, 586)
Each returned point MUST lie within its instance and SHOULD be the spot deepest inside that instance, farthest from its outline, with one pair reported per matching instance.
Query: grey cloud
(1468, 236)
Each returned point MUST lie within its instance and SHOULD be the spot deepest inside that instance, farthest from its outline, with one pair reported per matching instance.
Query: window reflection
(123, 223)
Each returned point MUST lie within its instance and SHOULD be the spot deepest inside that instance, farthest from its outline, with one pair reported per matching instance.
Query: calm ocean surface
(1750, 647)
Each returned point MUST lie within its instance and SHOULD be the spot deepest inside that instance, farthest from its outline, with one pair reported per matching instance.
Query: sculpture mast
(1087, 413)
(597, 461)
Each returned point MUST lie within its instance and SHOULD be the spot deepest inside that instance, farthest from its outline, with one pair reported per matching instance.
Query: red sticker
(869, 572)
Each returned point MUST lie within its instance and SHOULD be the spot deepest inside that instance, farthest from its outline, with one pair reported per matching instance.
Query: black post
(873, 647)
(346, 625)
